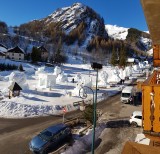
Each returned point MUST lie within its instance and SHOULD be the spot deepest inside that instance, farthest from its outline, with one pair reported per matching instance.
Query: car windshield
(46, 135)
(126, 95)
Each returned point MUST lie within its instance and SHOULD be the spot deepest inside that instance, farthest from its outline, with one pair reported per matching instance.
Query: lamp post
(96, 67)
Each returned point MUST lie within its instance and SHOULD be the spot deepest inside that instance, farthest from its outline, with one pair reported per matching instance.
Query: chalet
(15, 53)
(2, 55)
(44, 53)
(3, 50)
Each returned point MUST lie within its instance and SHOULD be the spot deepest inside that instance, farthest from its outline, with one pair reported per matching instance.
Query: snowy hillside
(120, 33)
(146, 42)
(117, 32)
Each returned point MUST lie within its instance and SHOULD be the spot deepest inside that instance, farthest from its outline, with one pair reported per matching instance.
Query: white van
(127, 94)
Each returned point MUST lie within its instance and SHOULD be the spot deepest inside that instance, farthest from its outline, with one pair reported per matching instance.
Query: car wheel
(134, 124)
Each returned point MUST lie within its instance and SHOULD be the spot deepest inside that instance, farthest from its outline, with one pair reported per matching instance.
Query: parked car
(49, 138)
(136, 119)
(127, 94)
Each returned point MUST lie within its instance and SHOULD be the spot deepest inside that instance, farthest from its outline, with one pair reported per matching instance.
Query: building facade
(44, 53)
(15, 53)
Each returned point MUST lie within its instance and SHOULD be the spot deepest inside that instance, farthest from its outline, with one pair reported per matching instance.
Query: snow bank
(18, 110)
(83, 145)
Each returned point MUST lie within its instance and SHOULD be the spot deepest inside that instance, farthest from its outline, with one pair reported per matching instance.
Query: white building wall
(2, 57)
(15, 56)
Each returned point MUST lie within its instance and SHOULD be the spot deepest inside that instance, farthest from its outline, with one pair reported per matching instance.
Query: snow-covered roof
(2, 45)
(42, 48)
(2, 54)
(14, 86)
(130, 60)
(16, 49)
(3, 48)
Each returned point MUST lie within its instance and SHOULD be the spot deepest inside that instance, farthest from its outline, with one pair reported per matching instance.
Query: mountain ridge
(77, 25)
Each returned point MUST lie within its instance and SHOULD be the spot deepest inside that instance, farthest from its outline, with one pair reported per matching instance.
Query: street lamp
(96, 67)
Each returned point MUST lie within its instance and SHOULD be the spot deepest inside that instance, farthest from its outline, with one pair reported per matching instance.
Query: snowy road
(16, 134)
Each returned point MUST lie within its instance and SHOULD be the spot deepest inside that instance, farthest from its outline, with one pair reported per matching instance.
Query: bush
(20, 68)
(7, 67)
(88, 113)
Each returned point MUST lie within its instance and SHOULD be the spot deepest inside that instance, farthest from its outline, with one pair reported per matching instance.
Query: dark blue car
(49, 138)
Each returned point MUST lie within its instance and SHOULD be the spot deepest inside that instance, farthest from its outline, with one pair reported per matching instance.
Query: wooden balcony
(151, 104)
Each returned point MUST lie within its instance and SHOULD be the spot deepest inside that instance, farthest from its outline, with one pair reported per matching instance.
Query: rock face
(72, 16)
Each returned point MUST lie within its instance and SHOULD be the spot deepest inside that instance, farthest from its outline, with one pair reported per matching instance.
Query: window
(19, 58)
(138, 117)
(126, 95)
(19, 54)
(12, 54)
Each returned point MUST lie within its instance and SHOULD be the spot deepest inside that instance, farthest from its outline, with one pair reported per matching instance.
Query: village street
(15, 134)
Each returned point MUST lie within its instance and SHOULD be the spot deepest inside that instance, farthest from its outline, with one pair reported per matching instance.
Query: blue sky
(125, 13)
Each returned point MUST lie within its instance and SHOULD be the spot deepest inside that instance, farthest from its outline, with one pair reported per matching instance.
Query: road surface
(15, 134)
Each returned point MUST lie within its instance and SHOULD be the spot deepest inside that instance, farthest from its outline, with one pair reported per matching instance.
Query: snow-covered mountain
(72, 16)
(77, 25)
(121, 33)
(77, 22)
(117, 32)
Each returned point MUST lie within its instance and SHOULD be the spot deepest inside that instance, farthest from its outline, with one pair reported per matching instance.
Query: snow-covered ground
(39, 101)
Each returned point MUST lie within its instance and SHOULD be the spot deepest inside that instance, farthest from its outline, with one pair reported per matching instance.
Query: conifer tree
(88, 113)
(20, 68)
(35, 55)
(113, 57)
(123, 57)
(59, 55)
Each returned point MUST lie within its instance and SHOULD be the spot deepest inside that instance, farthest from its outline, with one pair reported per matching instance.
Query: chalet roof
(42, 48)
(152, 13)
(2, 54)
(16, 50)
(3, 48)
(1, 45)
(14, 86)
